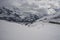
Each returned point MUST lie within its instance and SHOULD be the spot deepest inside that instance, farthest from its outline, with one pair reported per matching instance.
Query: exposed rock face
(28, 11)
(10, 15)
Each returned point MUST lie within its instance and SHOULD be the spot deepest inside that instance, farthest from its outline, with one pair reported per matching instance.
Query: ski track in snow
(37, 31)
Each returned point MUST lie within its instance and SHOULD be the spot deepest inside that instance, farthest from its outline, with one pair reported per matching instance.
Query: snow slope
(36, 31)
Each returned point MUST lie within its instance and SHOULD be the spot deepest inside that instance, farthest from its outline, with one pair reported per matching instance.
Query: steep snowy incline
(37, 31)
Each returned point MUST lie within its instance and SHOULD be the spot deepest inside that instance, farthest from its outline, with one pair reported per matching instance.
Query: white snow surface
(36, 31)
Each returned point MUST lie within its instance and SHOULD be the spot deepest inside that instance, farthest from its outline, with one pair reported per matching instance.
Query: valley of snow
(36, 31)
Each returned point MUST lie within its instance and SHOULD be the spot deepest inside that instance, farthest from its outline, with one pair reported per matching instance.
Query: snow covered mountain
(37, 15)
(15, 16)
(28, 11)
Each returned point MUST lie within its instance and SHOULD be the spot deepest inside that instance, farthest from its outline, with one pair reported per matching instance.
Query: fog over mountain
(25, 8)
(29, 19)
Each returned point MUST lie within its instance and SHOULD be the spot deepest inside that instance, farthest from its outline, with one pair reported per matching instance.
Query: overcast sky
(40, 3)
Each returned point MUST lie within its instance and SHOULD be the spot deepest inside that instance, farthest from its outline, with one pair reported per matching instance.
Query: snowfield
(30, 14)
(36, 31)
